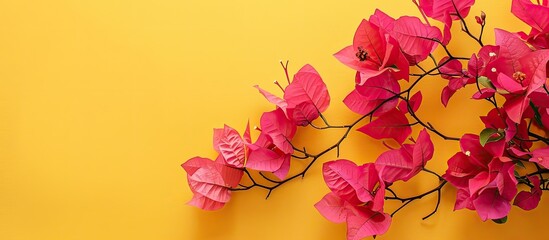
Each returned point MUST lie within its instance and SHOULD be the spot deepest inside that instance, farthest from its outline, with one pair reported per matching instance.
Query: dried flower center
(519, 76)
(362, 55)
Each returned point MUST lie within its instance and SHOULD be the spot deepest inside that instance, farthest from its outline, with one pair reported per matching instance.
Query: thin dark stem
(464, 26)
(408, 200)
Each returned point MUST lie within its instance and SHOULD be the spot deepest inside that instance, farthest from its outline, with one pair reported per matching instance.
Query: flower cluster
(388, 54)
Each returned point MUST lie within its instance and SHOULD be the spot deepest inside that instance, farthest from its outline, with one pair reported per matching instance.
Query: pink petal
(195, 163)
(463, 200)
(484, 93)
(279, 128)
(413, 37)
(332, 208)
(392, 124)
(439, 9)
(461, 170)
(490, 205)
(478, 155)
(541, 156)
(447, 93)
(212, 191)
(512, 48)
(205, 203)
(282, 172)
(529, 200)
(382, 20)
(535, 65)
(414, 101)
(359, 104)
(367, 223)
(231, 146)
(382, 86)
(307, 86)
(263, 159)
(423, 150)
(368, 37)
(342, 177)
(281, 103)
(394, 165)
(303, 114)
(536, 16)
(515, 107)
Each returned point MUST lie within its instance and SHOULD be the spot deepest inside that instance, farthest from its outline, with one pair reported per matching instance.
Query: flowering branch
(511, 75)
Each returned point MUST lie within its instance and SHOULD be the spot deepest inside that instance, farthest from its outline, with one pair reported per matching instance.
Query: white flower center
(468, 153)
(494, 69)
(492, 54)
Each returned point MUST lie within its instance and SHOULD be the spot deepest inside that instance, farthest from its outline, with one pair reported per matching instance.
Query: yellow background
(101, 101)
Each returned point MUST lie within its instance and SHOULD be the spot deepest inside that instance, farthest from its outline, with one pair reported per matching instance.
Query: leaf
(332, 208)
(484, 81)
(500, 220)
(392, 124)
(486, 136)
(380, 87)
(279, 128)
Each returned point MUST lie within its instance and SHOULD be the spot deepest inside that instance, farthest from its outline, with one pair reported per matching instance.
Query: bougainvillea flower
(304, 98)
(484, 178)
(356, 197)
(210, 182)
(529, 200)
(445, 11)
(406, 162)
(373, 52)
(392, 124)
